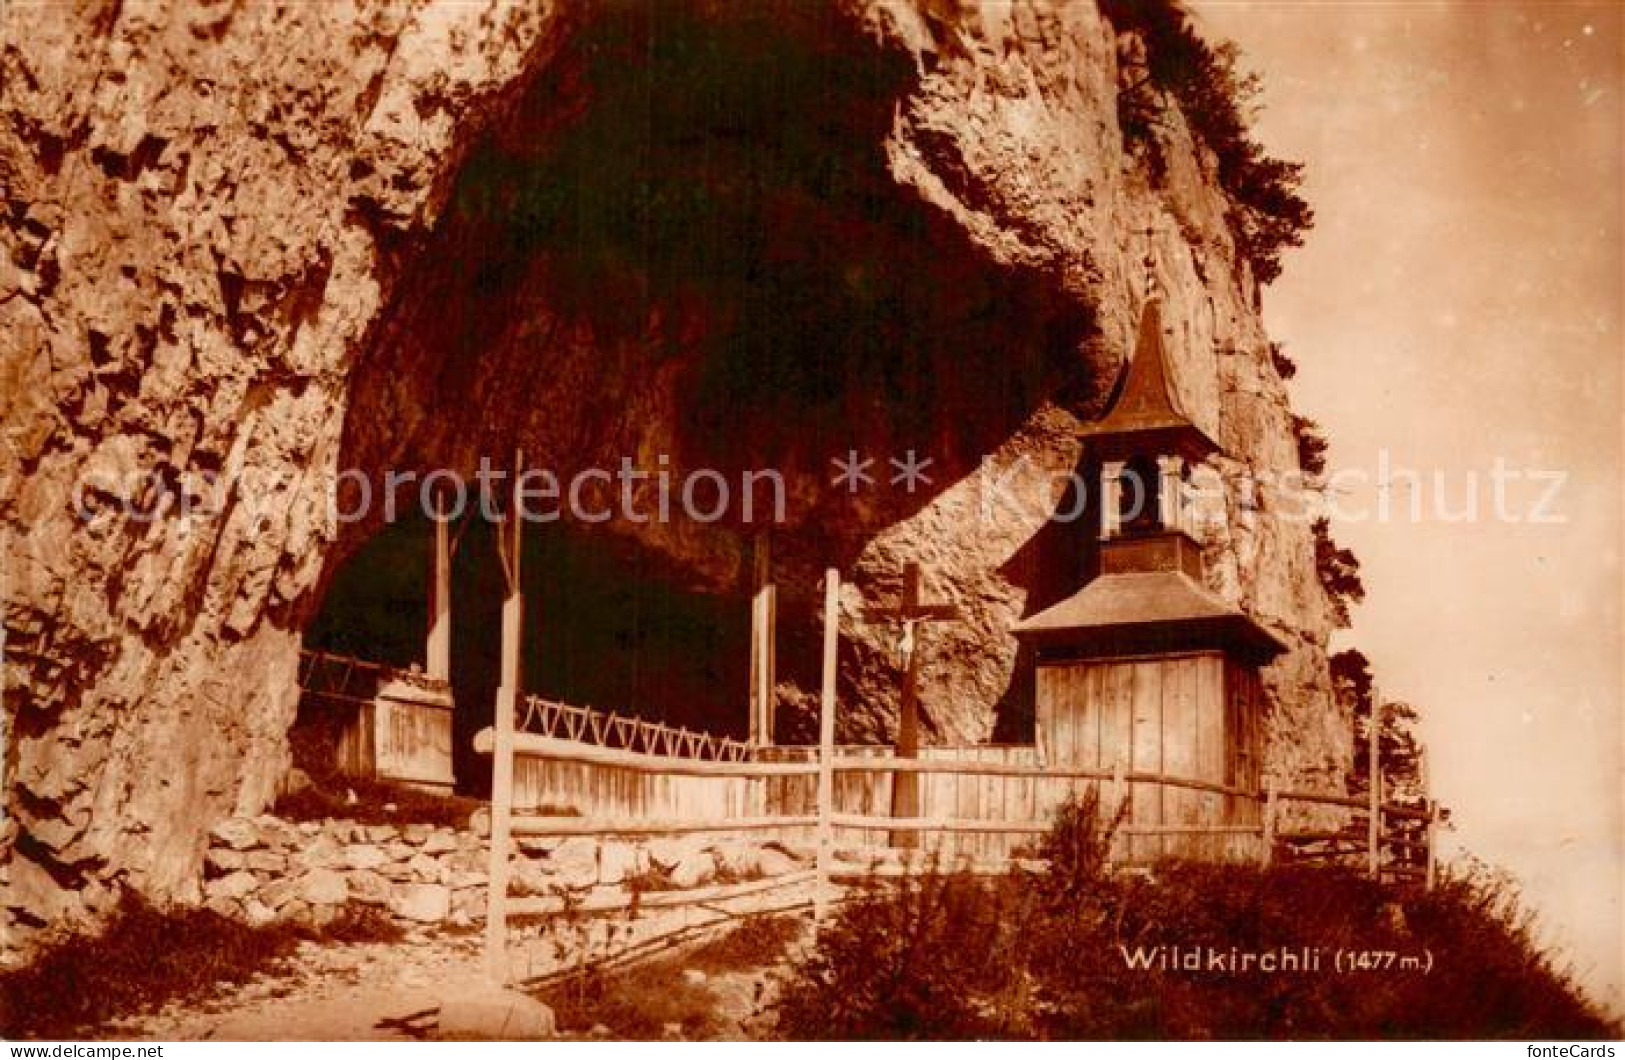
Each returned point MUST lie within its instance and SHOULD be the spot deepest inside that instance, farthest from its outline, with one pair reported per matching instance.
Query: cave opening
(688, 237)
(608, 624)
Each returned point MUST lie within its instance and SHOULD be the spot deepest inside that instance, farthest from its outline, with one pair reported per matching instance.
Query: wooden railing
(671, 785)
(345, 678)
(546, 717)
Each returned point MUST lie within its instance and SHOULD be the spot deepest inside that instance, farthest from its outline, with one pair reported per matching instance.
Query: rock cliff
(249, 247)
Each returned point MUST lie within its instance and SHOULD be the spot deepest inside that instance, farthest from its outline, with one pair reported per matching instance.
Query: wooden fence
(578, 774)
(387, 723)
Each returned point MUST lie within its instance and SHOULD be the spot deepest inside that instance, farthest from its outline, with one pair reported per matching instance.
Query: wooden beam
(598, 903)
(763, 640)
(542, 825)
(763, 664)
(1325, 799)
(953, 824)
(859, 764)
(935, 824)
(826, 743)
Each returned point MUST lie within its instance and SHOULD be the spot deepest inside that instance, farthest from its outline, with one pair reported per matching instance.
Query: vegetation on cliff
(1267, 214)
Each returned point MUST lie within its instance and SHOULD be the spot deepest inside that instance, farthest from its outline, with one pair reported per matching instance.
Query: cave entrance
(692, 235)
(609, 624)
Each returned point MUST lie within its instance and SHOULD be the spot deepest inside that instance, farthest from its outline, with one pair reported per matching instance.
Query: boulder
(364, 856)
(426, 869)
(222, 860)
(256, 913)
(439, 843)
(695, 868)
(266, 861)
(369, 887)
(492, 1013)
(324, 887)
(479, 822)
(529, 877)
(575, 860)
(321, 852)
(668, 852)
(467, 860)
(427, 903)
(772, 862)
(279, 892)
(617, 861)
(739, 858)
(276, 833)
(236, 885)
(462, 881)
(468, 905)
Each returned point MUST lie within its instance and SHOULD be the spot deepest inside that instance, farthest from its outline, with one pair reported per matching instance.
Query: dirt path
(327, 992)
(711, 987)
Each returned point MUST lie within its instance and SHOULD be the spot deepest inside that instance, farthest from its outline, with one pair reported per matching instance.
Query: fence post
(826, 745)
(1119, 794)
(1432, 822)
(1267, 855)
(1374, 788)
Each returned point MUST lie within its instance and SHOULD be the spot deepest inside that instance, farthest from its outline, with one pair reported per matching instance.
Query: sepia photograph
(663, 521)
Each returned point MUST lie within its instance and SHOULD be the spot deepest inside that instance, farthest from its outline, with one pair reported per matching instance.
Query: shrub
(946, 956)
(1077, 848)
(927, 958)
(1312, 446)
(1285, 366)
(1339, 571)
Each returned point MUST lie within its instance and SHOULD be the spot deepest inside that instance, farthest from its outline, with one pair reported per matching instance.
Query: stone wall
(264, 869)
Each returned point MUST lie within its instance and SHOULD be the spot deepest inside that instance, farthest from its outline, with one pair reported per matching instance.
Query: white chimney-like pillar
(1170, 491)
(1111, 499)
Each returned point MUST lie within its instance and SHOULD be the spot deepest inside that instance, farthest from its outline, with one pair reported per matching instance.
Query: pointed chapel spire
(1146, 415)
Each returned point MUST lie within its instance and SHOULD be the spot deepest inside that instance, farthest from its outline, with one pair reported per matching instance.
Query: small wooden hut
(1145, 667)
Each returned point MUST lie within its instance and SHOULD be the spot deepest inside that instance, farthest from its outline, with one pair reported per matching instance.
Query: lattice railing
(328, 675)
(546, 717)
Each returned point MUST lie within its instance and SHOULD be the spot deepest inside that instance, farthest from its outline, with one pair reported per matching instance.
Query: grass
(758, 941)
(376, 802)
(1041, 956)
(146, 958)
(640, 1003)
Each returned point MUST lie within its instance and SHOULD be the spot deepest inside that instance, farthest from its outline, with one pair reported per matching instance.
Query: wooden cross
(910, 611)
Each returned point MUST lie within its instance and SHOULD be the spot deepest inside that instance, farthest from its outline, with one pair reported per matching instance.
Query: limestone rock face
(202, 202)
(224, 279)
